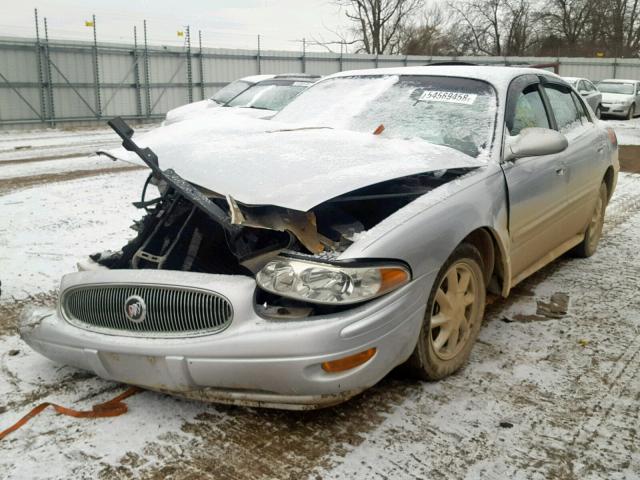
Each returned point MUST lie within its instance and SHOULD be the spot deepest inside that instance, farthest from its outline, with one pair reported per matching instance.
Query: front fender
(426, 231)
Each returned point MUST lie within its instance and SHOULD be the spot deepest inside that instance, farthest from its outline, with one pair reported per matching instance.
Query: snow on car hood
(263, 162)
(616, 98)
(184, 111)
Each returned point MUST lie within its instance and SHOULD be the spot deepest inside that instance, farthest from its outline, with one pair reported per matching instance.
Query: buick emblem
(135, 309)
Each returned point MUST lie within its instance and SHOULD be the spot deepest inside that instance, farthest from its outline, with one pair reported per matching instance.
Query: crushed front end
(243, 304)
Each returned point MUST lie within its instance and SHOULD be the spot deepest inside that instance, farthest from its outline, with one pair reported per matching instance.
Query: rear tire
(452, 318)
(589, 243)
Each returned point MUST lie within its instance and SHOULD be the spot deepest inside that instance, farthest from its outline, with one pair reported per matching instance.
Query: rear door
(536, 185)
(589, 94)
(595, 96)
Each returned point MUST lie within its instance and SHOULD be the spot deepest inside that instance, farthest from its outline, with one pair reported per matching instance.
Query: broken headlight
(330, 284)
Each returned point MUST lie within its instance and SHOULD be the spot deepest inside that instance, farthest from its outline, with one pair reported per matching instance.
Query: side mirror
(584, 93)
(534, 142)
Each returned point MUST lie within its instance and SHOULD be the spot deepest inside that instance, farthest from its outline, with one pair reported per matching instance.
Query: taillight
(612, 137)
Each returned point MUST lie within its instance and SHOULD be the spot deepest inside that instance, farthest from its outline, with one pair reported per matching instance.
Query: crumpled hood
(616, 98)
(263, 162)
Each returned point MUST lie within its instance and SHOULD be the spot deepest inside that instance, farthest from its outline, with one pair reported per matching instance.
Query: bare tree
(623, 29)
(569, 20)
(430, 36)
(378, 23)
(496, 27)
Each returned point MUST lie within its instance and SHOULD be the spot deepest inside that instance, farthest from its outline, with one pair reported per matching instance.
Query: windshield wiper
(299, 128)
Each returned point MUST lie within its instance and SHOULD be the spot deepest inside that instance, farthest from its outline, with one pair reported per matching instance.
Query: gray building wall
(69, 82)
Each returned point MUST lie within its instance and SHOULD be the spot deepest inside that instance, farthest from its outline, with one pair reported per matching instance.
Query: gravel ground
(551, 390)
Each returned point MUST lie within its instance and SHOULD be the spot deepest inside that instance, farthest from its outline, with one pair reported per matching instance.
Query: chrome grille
(170, 311)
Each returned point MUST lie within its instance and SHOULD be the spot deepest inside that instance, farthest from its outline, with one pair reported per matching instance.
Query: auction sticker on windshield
(447, 97)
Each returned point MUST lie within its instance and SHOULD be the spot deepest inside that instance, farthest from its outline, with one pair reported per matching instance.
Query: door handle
(559, 171)
(600, 148)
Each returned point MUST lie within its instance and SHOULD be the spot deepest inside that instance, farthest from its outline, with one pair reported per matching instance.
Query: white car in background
(588, 91)
(263, 94)
(620, 97)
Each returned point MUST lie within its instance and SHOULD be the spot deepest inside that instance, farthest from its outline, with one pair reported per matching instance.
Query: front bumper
(617, 110)
(255, 361)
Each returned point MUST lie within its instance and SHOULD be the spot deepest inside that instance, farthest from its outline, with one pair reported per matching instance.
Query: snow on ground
(33, 144)
(57, 166)
(544, 396)
(45, 231)
(627, 131)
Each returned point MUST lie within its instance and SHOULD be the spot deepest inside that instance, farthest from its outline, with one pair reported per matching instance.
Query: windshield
(270, 95)
(610, 87)
(455, 112)
(225, 94)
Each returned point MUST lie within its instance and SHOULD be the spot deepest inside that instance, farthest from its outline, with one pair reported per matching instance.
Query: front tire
(589, 243)
(453, 316)
(632, 111)
(598, 112)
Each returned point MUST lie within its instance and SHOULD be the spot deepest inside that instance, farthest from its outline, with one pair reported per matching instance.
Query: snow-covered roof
(618, 80)
(498, 76)
(260, 78)
(256, 78)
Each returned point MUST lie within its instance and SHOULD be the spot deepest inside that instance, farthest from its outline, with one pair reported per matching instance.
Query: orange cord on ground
(111, 408)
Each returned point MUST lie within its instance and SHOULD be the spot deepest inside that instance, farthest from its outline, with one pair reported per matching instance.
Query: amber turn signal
(392, 278)
(347, 363)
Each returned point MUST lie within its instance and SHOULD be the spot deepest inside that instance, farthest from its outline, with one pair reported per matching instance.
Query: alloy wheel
(455, 311)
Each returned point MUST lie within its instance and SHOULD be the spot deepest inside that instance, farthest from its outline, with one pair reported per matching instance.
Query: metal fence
(49, 83)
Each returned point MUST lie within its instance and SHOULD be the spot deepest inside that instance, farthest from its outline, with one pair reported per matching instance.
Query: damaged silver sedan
(294, 262)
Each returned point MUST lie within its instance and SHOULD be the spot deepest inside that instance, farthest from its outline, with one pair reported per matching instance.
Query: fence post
(304, 55)
(147, 86)
(615, 66)
(201, 62)
(258, 57)
(136, 73)
(52, 110)
(96, 71)
(189, 71)
(341, 60)
(43, 112)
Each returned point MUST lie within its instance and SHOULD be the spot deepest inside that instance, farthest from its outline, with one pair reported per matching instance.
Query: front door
(584, 158)
(536, 185)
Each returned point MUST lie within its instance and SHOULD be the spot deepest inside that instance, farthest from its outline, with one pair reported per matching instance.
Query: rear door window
(530, 111)
(564, 108)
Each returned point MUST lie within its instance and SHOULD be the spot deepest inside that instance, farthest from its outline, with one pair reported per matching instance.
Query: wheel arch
(608, 180)
(495, 258)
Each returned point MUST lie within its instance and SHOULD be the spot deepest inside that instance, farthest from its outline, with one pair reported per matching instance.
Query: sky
(282, 24)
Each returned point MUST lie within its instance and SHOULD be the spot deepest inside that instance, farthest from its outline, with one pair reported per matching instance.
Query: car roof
(618, 80)
(499, 76)
(256, 78)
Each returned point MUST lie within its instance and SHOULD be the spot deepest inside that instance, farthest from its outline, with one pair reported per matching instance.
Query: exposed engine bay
(176, 235)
